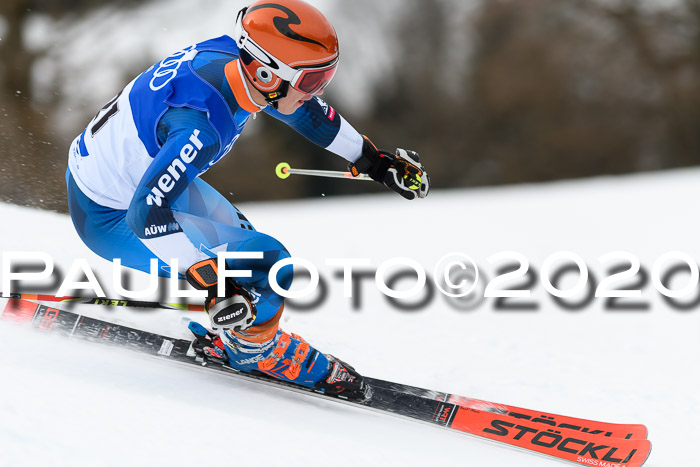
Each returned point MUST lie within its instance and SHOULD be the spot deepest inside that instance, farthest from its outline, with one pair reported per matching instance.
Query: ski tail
(112, 302)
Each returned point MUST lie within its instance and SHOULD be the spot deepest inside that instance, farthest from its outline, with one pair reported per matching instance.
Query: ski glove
(236, 310)
(401, 172)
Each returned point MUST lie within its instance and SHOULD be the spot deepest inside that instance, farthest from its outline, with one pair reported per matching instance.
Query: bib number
(108, 111)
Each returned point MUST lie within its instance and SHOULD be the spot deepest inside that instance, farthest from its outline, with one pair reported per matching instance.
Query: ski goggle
(307, 79)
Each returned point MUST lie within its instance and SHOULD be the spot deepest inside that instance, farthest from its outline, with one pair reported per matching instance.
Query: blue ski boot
(288, 357)
(264, 348)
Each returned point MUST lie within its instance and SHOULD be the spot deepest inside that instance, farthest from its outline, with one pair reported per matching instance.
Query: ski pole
(283, 171)
(104, 302)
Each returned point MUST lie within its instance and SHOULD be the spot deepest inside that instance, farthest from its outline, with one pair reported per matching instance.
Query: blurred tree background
(489, 92)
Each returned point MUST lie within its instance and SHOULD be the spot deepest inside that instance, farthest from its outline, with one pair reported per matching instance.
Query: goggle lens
(313, 81)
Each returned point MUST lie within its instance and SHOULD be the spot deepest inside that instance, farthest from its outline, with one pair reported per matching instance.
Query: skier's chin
(288, 109)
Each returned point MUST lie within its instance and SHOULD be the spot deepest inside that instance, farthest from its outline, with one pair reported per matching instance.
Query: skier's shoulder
(191, 73)
(219, 44)
(210, 66)
(212, 58)
(218, 67)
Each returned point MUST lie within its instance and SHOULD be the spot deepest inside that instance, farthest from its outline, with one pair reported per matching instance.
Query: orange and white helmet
(286, 43)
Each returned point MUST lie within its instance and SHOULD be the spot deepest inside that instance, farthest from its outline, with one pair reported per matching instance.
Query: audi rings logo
(167, 69)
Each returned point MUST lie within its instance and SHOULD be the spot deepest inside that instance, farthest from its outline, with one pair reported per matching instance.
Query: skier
(134, 190)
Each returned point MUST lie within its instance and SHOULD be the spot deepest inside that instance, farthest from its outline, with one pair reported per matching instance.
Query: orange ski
(549, 420)
(592, 427)
(563, 443)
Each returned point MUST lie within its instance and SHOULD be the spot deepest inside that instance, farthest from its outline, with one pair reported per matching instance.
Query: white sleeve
(347, 143)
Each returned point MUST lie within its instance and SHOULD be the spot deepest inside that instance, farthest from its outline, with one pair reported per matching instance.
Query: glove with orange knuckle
(401, 172)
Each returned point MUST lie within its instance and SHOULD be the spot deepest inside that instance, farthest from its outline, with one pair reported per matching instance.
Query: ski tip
(644, 448)
(648, 453)
(644, 430)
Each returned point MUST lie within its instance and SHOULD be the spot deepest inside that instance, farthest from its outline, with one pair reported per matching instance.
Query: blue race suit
(133, 181)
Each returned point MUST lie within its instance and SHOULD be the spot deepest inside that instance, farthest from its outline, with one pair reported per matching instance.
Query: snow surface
(66, 403)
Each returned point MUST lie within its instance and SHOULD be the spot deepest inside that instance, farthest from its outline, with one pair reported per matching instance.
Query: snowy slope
(66, 403)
